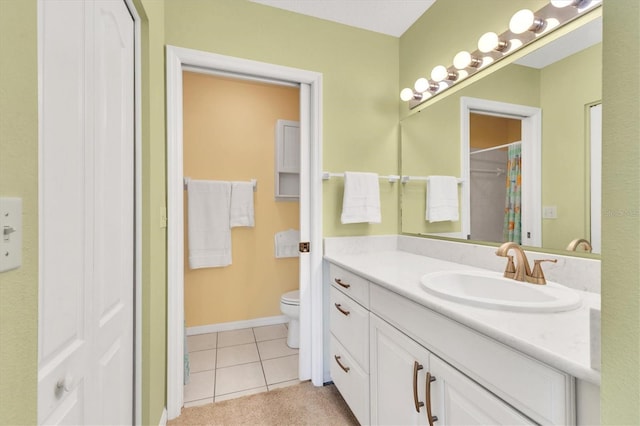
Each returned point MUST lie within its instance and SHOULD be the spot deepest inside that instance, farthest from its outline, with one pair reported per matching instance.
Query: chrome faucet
(521, 270)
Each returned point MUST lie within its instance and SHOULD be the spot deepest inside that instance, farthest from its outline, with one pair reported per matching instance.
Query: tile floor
(229, 364)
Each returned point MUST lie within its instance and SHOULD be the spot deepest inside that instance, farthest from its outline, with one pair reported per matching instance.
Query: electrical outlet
(549, 212)
(10, 233)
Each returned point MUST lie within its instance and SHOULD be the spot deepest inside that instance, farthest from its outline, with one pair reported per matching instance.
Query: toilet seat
(291, 298)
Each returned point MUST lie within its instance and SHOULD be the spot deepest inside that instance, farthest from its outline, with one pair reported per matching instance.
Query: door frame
(311, 317)
(531, 118)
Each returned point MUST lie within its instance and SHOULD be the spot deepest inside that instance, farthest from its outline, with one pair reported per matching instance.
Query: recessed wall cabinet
(287, 160)
(424, 368)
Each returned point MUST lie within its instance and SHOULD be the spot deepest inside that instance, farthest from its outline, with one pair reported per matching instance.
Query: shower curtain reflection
(513, 205)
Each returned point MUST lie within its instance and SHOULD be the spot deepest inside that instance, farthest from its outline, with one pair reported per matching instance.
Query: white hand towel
(242, 204)
(287, 243)
(361, 201)
(209, 232)
(442, 199)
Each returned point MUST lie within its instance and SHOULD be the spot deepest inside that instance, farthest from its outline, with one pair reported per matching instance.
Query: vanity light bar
(525, 26)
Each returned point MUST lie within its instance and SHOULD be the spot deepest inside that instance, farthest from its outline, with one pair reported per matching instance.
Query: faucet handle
(510, 270)
(537, 276)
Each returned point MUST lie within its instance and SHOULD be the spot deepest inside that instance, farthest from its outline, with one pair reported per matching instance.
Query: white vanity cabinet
(409, 385)
(399, 368)
(382, 371)
(349, 346)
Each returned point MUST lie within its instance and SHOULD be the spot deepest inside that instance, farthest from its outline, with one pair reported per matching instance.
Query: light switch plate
(10, 233)
(549, 212)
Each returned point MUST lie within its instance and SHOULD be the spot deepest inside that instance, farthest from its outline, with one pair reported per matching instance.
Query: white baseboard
(163, 419)
(236, 325)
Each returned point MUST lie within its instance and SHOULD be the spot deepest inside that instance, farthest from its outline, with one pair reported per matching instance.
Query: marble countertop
(560, 339)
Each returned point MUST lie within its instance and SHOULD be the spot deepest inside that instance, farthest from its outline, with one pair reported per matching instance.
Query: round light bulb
(421, 85)
(488, 42)
(406, 94)
(524, 20)
(439, 73)
(462, 60)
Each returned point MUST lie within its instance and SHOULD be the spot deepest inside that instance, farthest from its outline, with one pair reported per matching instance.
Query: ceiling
(392, 17)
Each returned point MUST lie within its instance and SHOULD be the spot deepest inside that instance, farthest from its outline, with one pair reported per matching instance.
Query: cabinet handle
(416, 368)
(338, 307)
(430, 418)
(345, 369)
(340, 283)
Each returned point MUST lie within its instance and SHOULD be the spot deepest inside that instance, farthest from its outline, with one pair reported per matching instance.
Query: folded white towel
(209, 231)
(287, 243)
(242, 204)
(361, 201)
(442, 199)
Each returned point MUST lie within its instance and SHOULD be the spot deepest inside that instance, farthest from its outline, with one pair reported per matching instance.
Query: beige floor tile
(202, 360)
(281, 369)
(200, 342)
(235, 355)
(270, 332)
(283, 384)
(277, 348)
(242, 393)
(235, 337)
(239, 378)
(200, 386)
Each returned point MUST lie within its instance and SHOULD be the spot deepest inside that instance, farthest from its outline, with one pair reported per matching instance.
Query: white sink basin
(492, 290)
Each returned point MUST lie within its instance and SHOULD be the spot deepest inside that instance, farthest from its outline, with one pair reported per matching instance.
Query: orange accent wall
(487, 130)
(229, 134)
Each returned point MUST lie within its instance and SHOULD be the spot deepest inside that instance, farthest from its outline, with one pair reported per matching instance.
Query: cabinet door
(398, 374)
(457, 400)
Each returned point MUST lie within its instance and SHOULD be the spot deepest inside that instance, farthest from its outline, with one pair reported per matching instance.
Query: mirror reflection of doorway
(494, 217)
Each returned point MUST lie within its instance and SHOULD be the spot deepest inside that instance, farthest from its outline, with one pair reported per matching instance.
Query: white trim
(531, 118)
(137, 345)
(163, 418)
(236, 325)
(311, 314)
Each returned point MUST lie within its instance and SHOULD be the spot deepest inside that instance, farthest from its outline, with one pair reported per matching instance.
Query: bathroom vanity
(401, 355)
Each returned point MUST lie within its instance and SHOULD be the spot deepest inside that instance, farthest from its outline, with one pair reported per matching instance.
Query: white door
(458, 401)
(596, 176)
(398, 377)
(85, 348)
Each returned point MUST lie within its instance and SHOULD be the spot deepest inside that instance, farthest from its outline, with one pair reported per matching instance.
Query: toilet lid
(291, 298)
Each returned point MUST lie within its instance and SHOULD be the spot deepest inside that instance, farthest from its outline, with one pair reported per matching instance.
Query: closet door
(85, 353)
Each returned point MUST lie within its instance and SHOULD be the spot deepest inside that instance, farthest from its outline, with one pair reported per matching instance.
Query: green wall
(567, 87)
(621, 214)
(360, 82)
(154, 246)
(19, 178)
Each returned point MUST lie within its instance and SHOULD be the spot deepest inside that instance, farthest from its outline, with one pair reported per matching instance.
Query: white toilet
(290, 306)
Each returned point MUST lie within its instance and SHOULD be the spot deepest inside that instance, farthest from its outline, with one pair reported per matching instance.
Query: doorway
(310, 264)
(531, 149)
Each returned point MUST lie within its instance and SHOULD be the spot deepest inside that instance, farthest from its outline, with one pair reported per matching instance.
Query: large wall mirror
(532, 123)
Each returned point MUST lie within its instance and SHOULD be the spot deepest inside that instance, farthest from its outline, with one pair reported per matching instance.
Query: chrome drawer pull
(340, 283)
(345, 369)
(338, 307)
(416, 368)
(430, 418)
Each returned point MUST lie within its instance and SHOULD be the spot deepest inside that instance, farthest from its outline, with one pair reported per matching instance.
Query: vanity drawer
(539, 391)
(351, 381)
(350, 325)
(350, 284)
